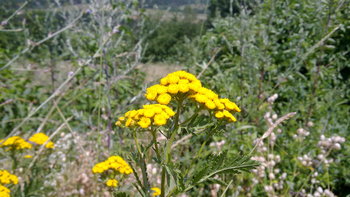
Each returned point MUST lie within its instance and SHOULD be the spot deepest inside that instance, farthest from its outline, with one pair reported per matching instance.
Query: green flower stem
(14, 160)
(145, 176)
(195, 114)
(137, 143)
(143, 165)
(153, 131)
(169, 144)
(162, 187)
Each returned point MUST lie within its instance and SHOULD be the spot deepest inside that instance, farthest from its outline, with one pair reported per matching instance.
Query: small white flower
(310, 124)
(274, 117)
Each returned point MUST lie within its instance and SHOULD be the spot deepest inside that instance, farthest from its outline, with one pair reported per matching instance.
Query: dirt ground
(155, 71)
(42, 75)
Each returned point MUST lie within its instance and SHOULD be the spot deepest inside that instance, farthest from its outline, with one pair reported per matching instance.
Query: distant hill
(172, 3)
(13, 4)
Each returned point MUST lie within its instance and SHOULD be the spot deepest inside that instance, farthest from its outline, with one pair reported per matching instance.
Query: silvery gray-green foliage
(298, 51)
(91, 68)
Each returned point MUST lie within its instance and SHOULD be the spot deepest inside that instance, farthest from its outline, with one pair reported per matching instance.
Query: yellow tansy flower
(115, 163)
(40, 139)
(182, 83)
(28, 156)
(4, 191)
(112, 183)
(173, 89)
(7, 178)
(156, 191)
(164, 99)
(15, 143)
(155, 114)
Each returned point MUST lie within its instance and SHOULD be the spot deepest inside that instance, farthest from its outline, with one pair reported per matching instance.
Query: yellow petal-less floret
(173, 89)
(218, 104)
(219, 114)
(169, 111)
(159, 120)
(200, 98)
(160, 89)
(149, 113)
(210, 104)
(156, 191)
(112, 183)
(27, 156)
(229, 116)
(144, 122)
(151, 96)
(183, 88)
(195, 85)
(164, 81)
(40, 139)
(184, 81)
(164, 99)
(173, 79)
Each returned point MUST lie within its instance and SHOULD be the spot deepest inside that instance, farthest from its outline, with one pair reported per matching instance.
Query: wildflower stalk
(153, 131)
(143, 165)
(191, 119)
(169, 144)
(14, 160)
(137, 143)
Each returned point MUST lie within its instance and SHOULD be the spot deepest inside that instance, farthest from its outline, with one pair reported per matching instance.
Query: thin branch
(35, 44)
(320, 43)
(68, 126)
(42, 147)
(11, 30)
(271, 128)
(210, 62)
(59, 89)
(14, 13)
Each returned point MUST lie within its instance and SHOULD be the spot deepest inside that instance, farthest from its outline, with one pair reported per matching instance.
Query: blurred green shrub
(169, 37)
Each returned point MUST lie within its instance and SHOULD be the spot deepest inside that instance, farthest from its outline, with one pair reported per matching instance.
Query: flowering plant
(193, 103)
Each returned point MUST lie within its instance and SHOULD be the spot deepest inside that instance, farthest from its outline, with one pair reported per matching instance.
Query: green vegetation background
(297, 49)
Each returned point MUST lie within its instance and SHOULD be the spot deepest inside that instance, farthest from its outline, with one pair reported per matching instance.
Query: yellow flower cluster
(222, 107)
(155, 114)
(156, 191)
(115, 163)
(174, 83)
(7, 178)
(40, 139)
(4, 191)
(112, 183)
(15, 143)
(181, 82)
